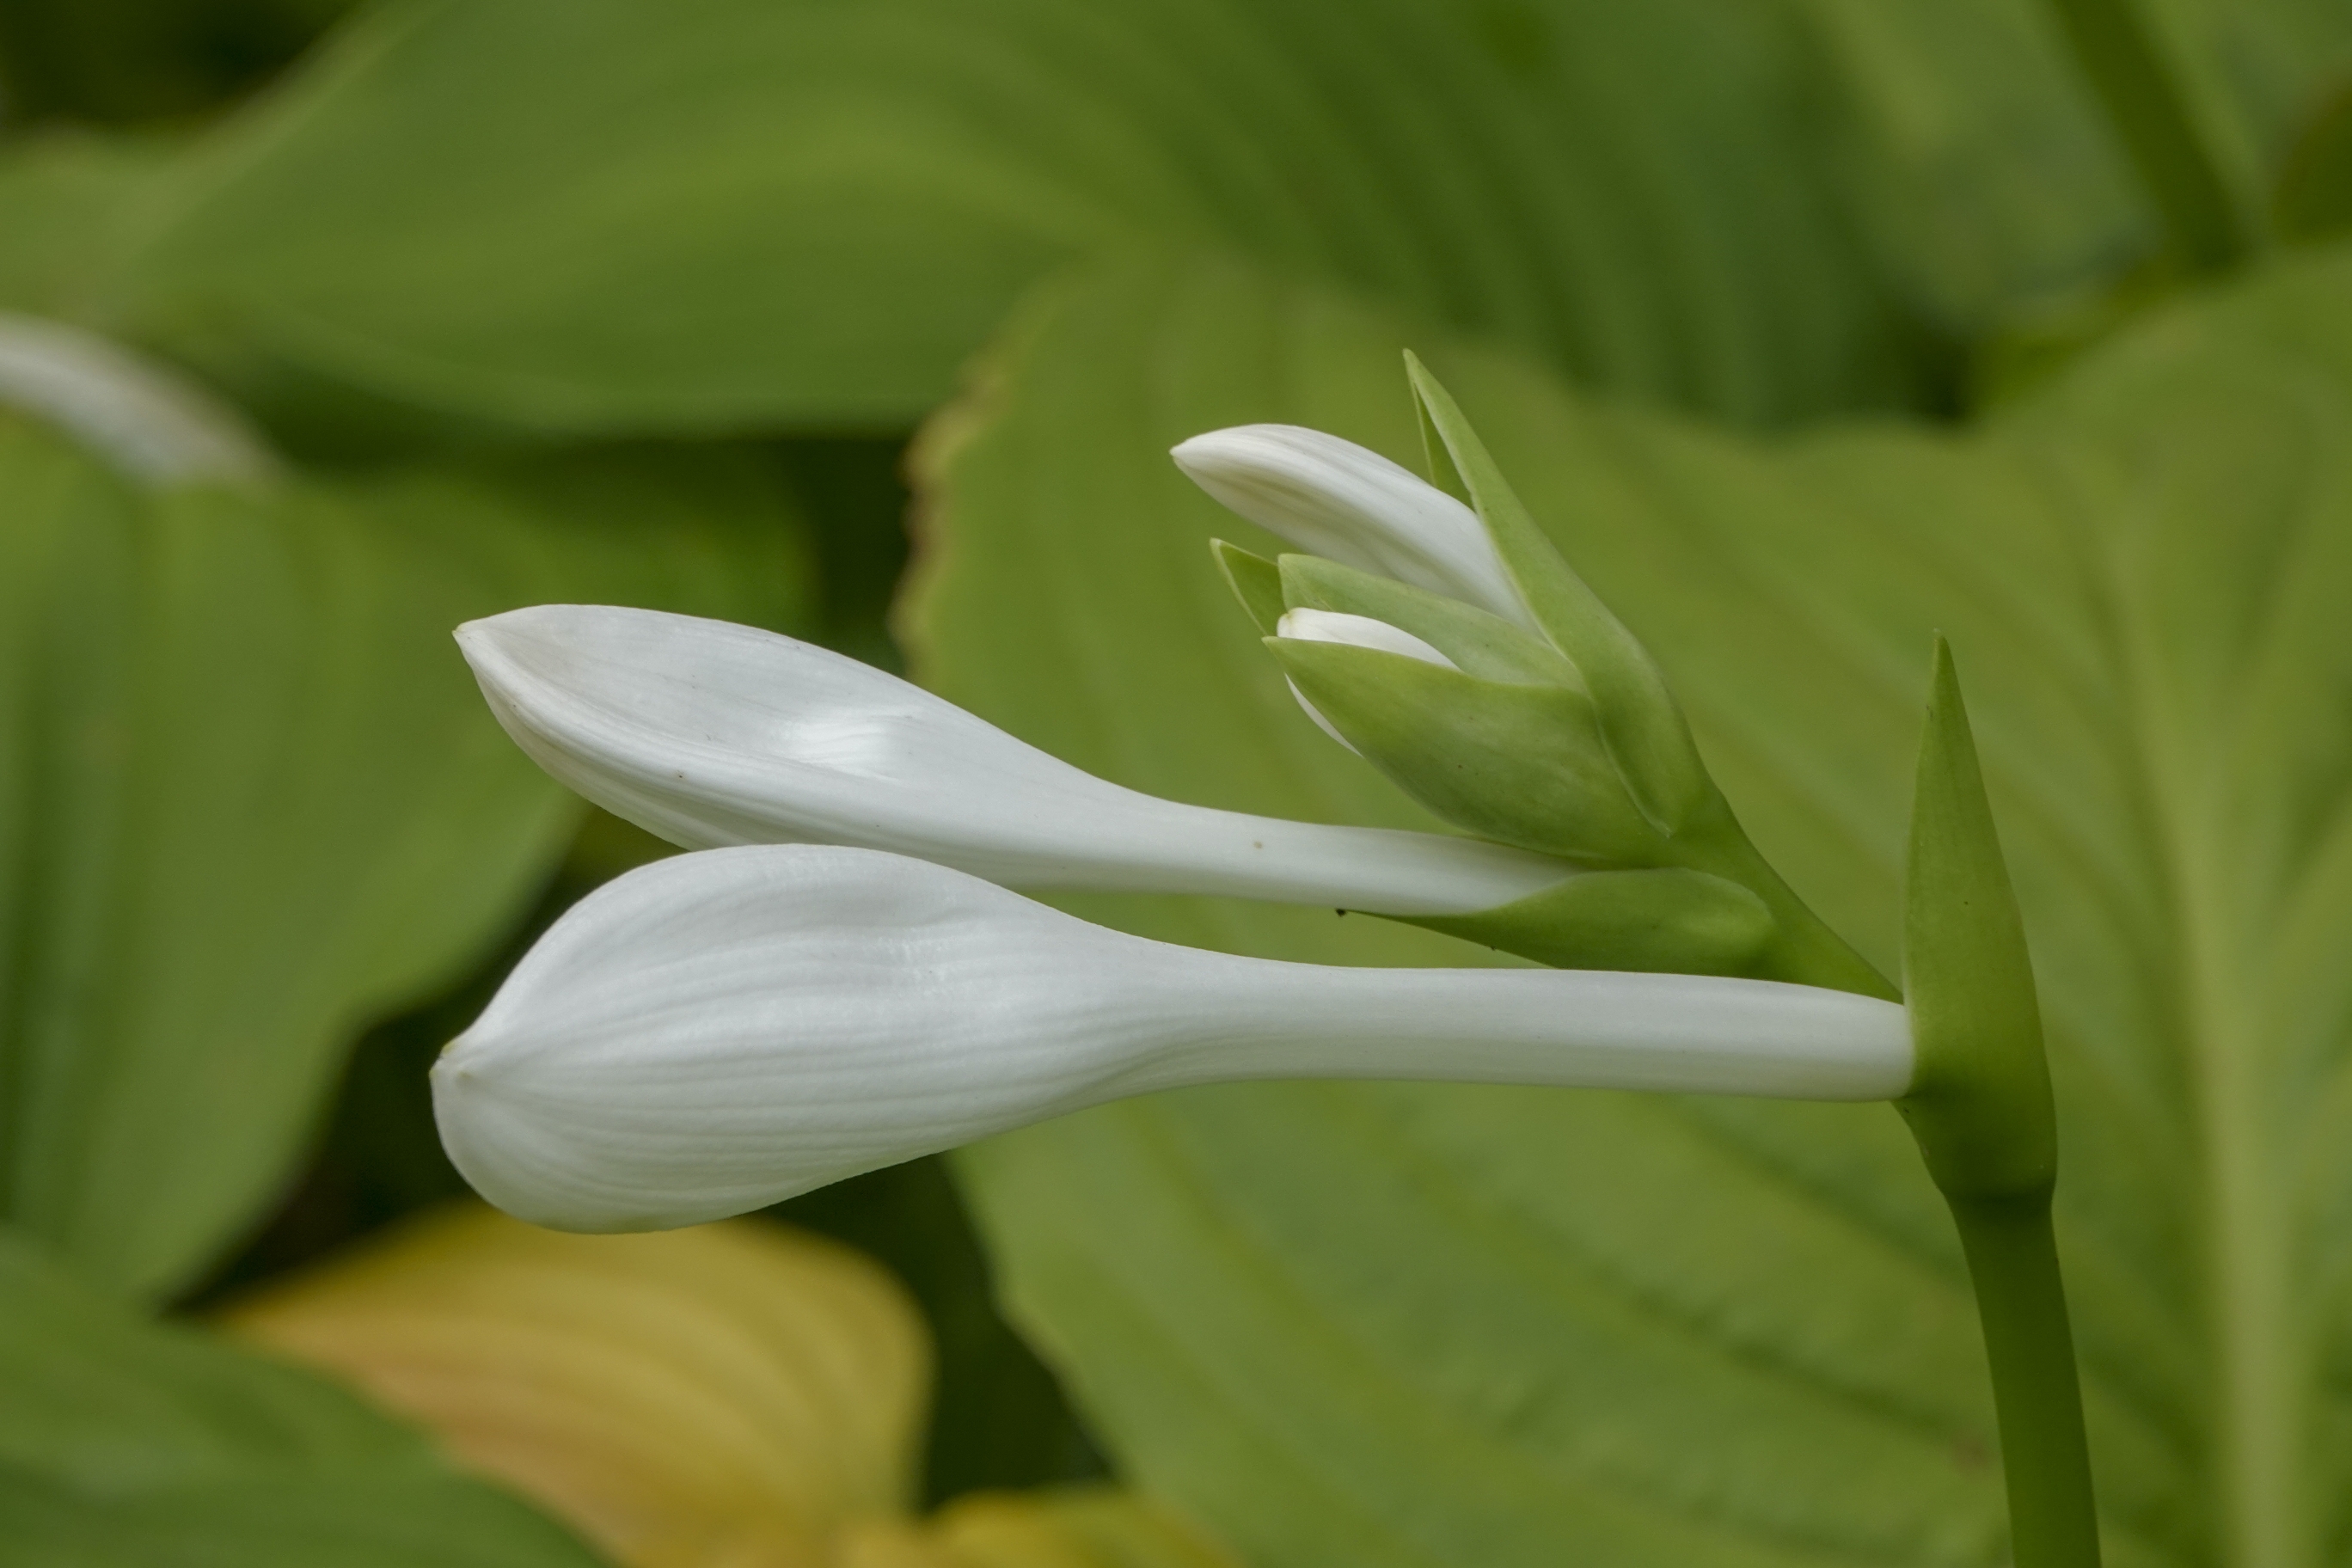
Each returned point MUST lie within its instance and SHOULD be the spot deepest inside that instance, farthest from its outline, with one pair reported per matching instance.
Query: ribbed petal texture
(717, 1032)
(710, 734)
(1334, 499)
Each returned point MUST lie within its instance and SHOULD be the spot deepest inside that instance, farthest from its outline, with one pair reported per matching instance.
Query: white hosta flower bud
(1334, 499)
(720, 1031)
(145, 420)
(1356, 631)
(710, 734)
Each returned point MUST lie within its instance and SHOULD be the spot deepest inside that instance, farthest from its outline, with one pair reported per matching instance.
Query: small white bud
(1355, 631)
(1346, 503)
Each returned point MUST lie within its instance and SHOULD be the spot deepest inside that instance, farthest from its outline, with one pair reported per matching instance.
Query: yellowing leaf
(1091, 1527)
(1080, 1527)
(721, 1397)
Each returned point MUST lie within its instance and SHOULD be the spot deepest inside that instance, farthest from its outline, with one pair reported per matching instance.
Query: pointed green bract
(1483, 645)
(1642, 725)
(1519, 765)
(1255, 581)
(1980, 1104)
(1981, 1110)
(1668, 921)
(1436, 460)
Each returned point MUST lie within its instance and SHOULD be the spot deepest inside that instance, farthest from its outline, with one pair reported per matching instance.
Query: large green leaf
(591, 214)
(1389, 1324)
(249, 799)
(125, 1443)
(1978, 162)
(70, 205)
(1974, 159)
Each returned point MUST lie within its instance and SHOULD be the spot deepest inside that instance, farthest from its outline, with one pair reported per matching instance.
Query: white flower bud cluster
(838, 980)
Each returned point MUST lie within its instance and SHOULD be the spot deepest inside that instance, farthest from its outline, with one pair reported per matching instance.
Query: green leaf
(250, 801)
(1391, 1324)
(126, 1443)
(1973, 158)
(145, 60)
(2314, 196)
(1984, 173)
(591, 214)
(71, 204)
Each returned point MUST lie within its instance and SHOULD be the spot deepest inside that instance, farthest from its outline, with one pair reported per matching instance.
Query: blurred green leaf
(997, 1417)
(128, 61)
(70, 205)
(2314, 198)
(2257, 69)
(1981, 168)
(250, 800)
(1391, 1324)
(1972, 158)
(595, 215)
(125, 1443)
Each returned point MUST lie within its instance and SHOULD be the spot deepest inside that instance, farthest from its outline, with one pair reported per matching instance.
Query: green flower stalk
(1980, 1107)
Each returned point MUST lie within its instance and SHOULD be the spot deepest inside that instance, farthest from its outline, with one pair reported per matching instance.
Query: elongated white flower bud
(717, 1032)
(1356, 631)
(148, 421)
(1346, 503)
(712, 734)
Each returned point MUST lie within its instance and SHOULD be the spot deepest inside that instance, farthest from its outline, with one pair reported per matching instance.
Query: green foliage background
(1810, 326)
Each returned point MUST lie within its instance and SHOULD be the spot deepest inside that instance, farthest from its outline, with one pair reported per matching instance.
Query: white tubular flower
(1357, 631)
(712, 735)
(1334, 499)
(146, 420)
(717, 1032)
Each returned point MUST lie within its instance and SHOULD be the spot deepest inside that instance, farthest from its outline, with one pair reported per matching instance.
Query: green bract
(1980, 1107)
(1980, 1102)
(1566, 741)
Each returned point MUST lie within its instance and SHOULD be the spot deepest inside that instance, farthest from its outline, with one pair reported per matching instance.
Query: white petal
(717, 1032)
(1316, 713)
(1334, 499)
(713, 734)
(145, 420)
(1357, 631)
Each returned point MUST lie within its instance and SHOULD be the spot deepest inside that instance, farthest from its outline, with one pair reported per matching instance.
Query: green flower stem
(2208, 228)
(1804, 949)
(2045, 1459)
(1981, 1109)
